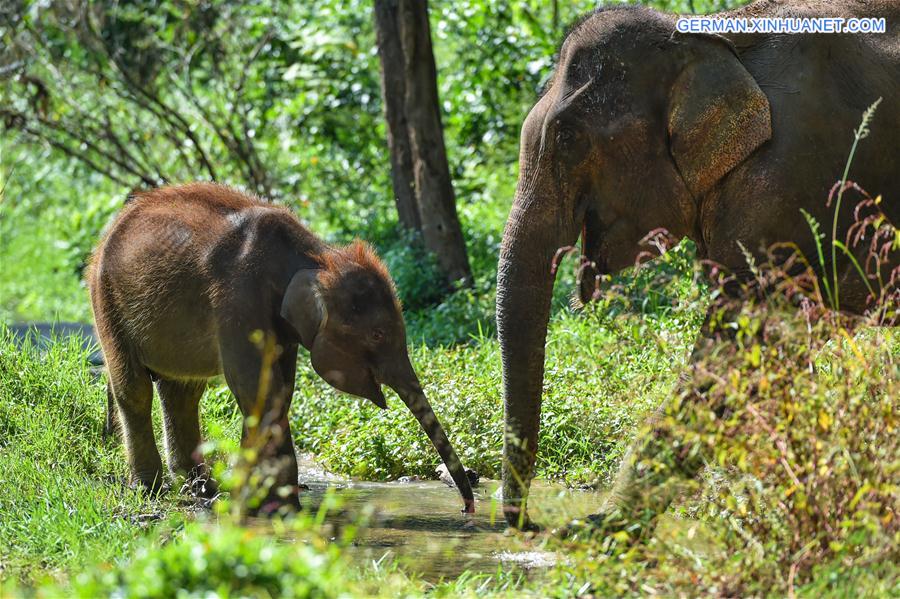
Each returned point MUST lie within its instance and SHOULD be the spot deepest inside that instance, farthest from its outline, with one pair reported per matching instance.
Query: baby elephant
(189, 282)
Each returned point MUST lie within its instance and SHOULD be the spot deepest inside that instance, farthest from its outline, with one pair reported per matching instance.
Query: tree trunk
(435, 201)
(393, 91)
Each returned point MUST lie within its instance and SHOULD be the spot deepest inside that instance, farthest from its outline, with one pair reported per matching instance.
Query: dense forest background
(282, 99)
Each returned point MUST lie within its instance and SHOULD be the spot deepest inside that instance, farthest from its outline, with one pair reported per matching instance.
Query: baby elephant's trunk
(421, 409)
(412, 395)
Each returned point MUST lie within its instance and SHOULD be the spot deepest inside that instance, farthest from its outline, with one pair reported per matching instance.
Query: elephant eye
(377, 335)
(571, 149)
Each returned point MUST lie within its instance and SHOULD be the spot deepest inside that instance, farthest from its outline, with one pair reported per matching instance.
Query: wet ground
(419, 524)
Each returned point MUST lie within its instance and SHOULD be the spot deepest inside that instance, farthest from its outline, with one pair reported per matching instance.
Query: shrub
(222, 561)
(795, 418)
(414, 269)
(809, 442)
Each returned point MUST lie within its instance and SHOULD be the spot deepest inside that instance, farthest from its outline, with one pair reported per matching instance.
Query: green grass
(47, 230)
(63, 501)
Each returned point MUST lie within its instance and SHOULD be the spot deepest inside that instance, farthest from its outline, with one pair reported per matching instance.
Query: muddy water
(419, 524)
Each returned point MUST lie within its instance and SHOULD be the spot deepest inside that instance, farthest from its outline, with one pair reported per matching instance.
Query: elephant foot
(518, 519)
(528, 527)
(153, 488)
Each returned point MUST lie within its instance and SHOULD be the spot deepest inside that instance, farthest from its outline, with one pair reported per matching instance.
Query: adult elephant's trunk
(536, 229)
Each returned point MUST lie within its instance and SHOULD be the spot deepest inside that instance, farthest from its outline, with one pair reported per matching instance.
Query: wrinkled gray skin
(718, 140)
(192, 280)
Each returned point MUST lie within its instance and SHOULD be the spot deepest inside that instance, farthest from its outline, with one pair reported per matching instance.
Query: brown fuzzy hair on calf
(356, 265)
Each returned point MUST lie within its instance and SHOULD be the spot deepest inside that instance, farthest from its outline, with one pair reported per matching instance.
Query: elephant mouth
(335, 378)
(588, 281)
(593, 264)
(366, 386)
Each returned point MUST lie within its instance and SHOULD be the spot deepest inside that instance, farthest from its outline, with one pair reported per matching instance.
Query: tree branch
(82, 157)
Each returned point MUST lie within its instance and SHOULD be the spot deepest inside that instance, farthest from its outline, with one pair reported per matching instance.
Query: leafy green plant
(414, 270)
(794, 415)
(3, 175)
(223, 561)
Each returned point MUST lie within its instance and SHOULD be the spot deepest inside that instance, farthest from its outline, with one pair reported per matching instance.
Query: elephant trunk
(410, 391)
(534, 232)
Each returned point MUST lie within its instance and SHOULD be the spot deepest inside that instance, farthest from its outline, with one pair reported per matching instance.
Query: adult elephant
(720, 139)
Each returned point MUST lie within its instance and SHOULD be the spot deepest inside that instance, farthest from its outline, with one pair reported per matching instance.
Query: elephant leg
(112, 422)
(133, 395)
(280, 444)
(181, 422)
(264, 398)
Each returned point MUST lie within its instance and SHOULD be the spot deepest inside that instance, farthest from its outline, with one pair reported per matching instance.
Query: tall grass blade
(861, 133)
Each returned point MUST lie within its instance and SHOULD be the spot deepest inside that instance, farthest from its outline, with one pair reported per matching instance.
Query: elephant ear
(718, 115)
(302, 306)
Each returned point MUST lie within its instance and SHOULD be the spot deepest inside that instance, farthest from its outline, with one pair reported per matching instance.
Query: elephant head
(347, 315)
(637, 122)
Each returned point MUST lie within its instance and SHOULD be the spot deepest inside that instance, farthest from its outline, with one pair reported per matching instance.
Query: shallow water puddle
(419, 524)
